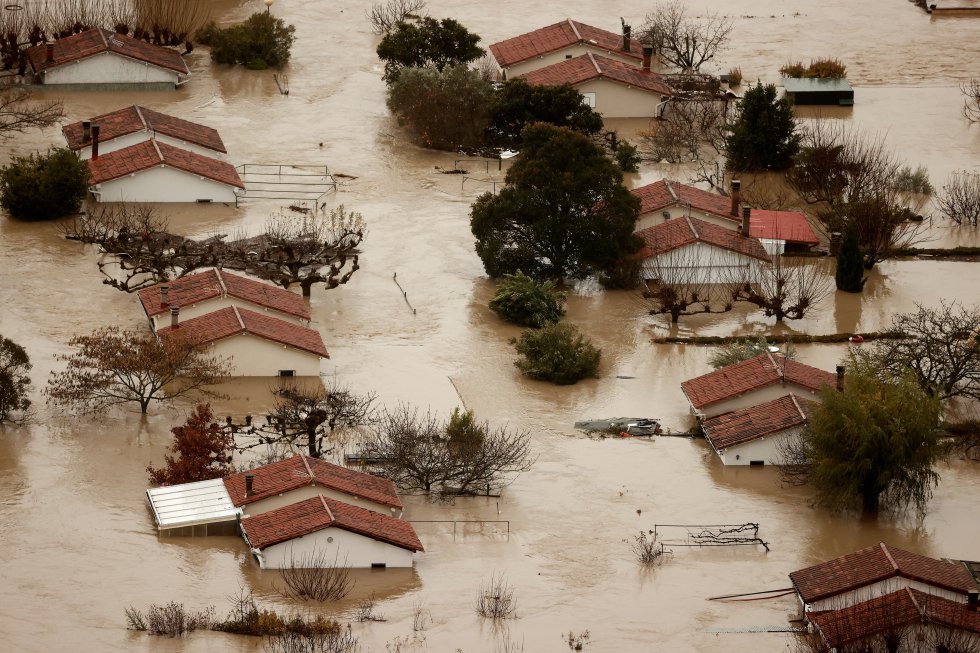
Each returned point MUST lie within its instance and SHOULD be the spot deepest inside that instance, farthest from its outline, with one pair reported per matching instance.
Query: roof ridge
(309, 470)
(595, 63)
(670, 189)
(142, 118)
(221, 281)
(323, 501)
(241, 323)
(571, 23)
(781, 371)
(798, 408)
(157, 148)
(884, 549)
(104, 41)
(694, 231)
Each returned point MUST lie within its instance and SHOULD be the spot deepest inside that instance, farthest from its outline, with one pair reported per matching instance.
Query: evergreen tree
(427, 43)
(764, 136)
(850, 265)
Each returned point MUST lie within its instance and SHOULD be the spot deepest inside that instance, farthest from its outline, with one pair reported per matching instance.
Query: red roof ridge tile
(323, 502)
(221, 282)
(156, 148)
(595, 63)
(690, 225)
(888, 555)
(798, 408)
(139, 114)
(670, 189)
(571, 23)
(104, 41)
(241, 323)
(306, 464)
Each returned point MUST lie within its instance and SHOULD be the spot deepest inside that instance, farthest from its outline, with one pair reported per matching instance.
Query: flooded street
(79, 545)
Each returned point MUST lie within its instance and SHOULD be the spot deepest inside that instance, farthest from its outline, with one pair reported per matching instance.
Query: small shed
(804, 91)
(782, 231)
(201, 508)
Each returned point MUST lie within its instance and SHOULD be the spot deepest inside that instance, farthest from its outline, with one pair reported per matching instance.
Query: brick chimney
(627, 35)
(736, 196)
(164, 289)
(746, 219)
(86, 131)
(95, 142)
(647, 57)
(49, 52)
(249, 484)
(840, 378)
(174, 316)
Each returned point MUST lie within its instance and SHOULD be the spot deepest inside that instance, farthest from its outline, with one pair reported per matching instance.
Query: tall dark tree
(764, 135)
(15, 383)
(519, 104)
(44, 186)
(563, 213)
(427, 43)
(850, 265)
(201, 450)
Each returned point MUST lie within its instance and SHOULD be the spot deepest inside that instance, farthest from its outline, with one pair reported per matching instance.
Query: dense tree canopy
(525, 301)
(44, 186)
(260, 42)
(519, 104)
(563, 212)
(558, 353)
(764, 135)
(201, 450)
(850, 266)
(427, 43)
(14, 382)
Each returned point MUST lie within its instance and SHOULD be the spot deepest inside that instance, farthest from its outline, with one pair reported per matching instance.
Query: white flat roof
(190, 504)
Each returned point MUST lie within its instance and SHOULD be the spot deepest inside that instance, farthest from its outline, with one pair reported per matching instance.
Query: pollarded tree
(15, 406)
(427, 43)
(519, 104)
(850, 264)
(201, 450)
(563, 212)
(787, 288)
(764, 135)
(112, 366)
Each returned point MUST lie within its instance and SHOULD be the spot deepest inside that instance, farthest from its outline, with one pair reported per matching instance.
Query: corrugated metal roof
(190, 504)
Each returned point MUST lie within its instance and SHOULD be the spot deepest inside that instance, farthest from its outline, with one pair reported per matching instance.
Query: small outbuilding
(782, 231)
(319, 532)
(211, 290)
(153, 171)
(201, 508)
(257, 344)
(135, 124)
(98, 59)
(807, 91)
(665, 199)
(756, 435)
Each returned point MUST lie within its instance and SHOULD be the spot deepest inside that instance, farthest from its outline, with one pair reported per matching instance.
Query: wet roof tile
(592, 66)
(757, 421)
(196, 288)
(96, 41)
(683, 231)
(558, 36)
(130, 120)
(664, 193)
(791, 226)
(151, 153)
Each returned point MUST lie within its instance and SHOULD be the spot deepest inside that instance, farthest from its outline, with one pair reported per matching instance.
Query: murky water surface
(78, 545)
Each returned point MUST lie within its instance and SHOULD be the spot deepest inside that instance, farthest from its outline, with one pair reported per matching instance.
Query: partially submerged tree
(563, 212)
(427, 43)
(201, 450)
(959, 199)
(971, 100)
(849, 276)
(18, 113)
(787, 288)
(681, 40)
(526, 302)
(112, 366)
(519, 104)
(764, 135)
(384, 16)
(44, 186)
(557, 353)
(262, 41)
(15, 383)
(743, 350)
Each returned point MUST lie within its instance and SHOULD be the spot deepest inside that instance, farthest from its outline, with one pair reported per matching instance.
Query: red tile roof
(753, 374)
(590, 66)
(874, 564)
(279, 477)
(196, 288)
(233, 320)
(316, 513)
(130, 120)
(891, 612)
(791, 226)
(664, 193)
(758, 421)
(95, 41)
(150, 153)
(679, 232)
(558, 36)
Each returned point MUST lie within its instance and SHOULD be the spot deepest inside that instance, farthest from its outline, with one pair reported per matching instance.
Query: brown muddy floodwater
(78, 545)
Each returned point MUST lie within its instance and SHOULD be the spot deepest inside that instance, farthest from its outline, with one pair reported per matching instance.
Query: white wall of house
(880, 588)
(254, 356)
(190, 311)
(138, 137)
(701, 263)
(109, 68)
(310, 491)
(767, 449)
(358, 550)
(654, 218)
(759, 396)
(572, 51)
(163, 184)
(616, 100)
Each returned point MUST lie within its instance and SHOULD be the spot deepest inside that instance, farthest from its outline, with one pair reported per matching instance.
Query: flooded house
(257, 344)
(758, 434)
(152, 171)
(665, 199)
(98, 59)
(135, 124)
(754, 381)
(562, 41)
(322, 532)
(204, 292)
(809, 91)
(782, 231)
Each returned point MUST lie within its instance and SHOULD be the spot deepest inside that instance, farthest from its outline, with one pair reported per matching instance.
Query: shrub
(557, 353)
(44, 186)
(735, 77)
(526, 302)
(495, 599)
(627, 157)
(914, 181)
(260, 42)
(818, 69)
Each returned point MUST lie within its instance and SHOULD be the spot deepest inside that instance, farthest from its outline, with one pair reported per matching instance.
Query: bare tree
(787, 288)
(314, 640)
(647, 550)
(679, 283)
(315, 576)
(384, 16)
(684, 41)
(19, 114)
(495, 598)
(112, 366)
(959, 199)
(971, 100)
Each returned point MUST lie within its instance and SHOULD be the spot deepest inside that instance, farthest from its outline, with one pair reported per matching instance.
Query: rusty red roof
(752, 374)
(130, 120)
(96, 41)
(892, 612)
(151, 153)
(592, 66)
(664, 193)
(757, 421)
(559, 36)
(196, 288)
(292, 473)
(317, 513)
(877, 563)
(791, 226)
(233, 320)
(683, 231)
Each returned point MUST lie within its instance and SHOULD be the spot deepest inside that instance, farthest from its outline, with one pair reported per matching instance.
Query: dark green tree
(527, 302)
(764, 135)
(445, 110)
(260, 42)
(519, 104)
(850, 262)
(14, 382)
(874, 443)
(563, 212)
(427, 43)
(557, 353)
(44, 186)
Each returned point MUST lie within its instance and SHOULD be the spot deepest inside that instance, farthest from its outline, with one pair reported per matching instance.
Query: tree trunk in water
(311, 444)
(869, 502)
(307, 287)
